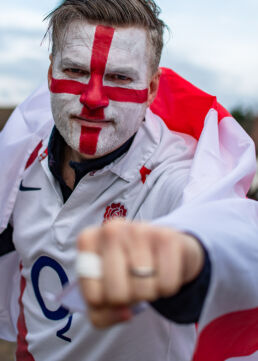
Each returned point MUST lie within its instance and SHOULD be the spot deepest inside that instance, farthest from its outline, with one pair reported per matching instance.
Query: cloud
(215, 48)
(22, 19)
(12, 91)
(23, 62)
(214, 81)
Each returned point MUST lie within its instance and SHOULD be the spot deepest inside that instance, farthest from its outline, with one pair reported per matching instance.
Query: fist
(136, 262)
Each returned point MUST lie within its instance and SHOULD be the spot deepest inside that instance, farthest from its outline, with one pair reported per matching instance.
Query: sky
(213, 44)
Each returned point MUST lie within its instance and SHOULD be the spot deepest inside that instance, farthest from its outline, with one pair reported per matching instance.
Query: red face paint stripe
(94, 97)
(89, 140)
(101, 46)
(67, 86)
(113, 93)
(127, 95)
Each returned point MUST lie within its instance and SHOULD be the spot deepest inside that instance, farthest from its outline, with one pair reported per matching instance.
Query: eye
(118, 78)
(75, 72)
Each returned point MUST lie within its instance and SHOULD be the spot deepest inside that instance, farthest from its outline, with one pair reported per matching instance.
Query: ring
(143, 272)
(89, 265)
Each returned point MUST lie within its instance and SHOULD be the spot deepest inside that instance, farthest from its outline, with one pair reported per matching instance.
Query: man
(108, 155)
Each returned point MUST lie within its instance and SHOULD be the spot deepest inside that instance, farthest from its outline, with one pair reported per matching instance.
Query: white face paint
(90, 122)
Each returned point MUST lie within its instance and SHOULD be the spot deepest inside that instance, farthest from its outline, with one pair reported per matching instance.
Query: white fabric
(28, 125)
(214, 208)
(48, 252)
(9, 296)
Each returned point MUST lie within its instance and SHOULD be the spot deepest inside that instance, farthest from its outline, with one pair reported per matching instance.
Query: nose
(93, 96)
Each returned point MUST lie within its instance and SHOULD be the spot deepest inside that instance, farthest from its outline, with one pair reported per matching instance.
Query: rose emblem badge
(115, 210)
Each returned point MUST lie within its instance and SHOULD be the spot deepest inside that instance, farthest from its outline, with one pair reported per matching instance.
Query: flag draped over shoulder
(215, 210)
(29, 124)
(214, 205)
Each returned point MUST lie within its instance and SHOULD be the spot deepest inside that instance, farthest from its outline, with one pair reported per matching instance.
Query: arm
(220, 177)
(177, 259)
(229, 231)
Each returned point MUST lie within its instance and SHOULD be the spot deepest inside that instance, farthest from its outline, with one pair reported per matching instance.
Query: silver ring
(89, 265)
(143, 272)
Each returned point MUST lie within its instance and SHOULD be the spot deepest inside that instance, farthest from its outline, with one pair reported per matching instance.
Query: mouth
(91, 122)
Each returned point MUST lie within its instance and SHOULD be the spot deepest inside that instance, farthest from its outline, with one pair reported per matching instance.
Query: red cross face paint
(99, 86)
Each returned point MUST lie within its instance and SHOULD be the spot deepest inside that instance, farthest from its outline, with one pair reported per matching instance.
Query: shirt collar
(56, 152)
(143, 146)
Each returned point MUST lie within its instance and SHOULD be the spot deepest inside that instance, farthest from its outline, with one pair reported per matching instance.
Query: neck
(68, 173)
(75, 165)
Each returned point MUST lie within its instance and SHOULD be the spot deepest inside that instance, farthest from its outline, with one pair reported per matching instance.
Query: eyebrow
(127, 70)
(123, 70)
(73, 64)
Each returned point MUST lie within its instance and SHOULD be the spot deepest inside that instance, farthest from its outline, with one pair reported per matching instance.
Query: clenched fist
(134, 262)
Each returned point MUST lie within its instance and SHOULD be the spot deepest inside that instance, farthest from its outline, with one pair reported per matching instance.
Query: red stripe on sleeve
(22, 351)
(33, 155)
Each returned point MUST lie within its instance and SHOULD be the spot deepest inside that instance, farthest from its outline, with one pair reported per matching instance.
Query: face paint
(99, 86)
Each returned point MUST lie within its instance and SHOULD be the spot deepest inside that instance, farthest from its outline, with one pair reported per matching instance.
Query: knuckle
(109, 235)
(164, 241)
(92, 292)
(117, 299)
(81, 240)
(94, 300)
(114, 224)
(86, 238)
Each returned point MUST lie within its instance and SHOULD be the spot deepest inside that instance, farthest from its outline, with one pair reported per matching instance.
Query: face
(101, 85)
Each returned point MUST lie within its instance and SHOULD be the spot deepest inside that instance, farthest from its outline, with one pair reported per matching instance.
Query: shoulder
(174, 150)
(169, 168)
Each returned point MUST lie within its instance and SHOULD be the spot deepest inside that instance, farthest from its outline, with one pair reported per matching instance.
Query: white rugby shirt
(214, 208)
(144, 184)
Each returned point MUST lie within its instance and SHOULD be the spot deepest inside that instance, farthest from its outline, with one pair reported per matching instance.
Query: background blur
(213, 44)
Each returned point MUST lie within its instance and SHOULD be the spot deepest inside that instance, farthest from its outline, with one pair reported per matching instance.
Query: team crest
(115, 210)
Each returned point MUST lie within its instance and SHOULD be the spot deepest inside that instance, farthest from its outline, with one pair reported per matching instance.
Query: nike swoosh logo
(28, 189)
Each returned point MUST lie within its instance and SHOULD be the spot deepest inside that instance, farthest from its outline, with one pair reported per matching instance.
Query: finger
(115, 270)
(169, 262)
(92, 289)
(105, 317)
(140, 254)
(88, 240)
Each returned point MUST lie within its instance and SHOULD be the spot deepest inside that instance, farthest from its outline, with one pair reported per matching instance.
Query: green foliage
(245, 118)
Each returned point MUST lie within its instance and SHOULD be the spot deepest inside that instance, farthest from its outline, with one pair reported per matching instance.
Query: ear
(153, 87)
(50, 70)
